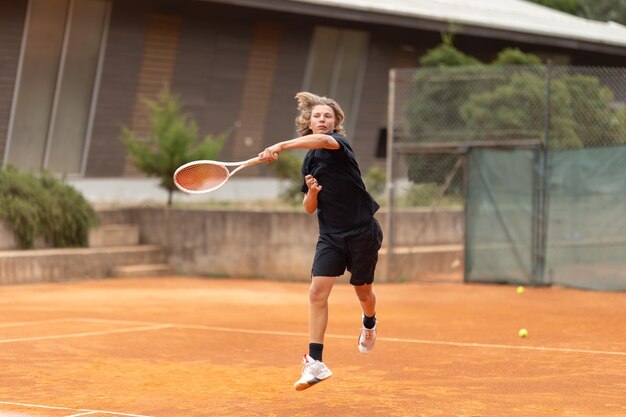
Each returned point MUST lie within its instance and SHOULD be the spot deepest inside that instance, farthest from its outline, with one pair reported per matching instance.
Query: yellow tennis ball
(520, 289)
(523, 333)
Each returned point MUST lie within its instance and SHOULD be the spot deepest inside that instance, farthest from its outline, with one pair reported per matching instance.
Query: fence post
(390, 167)
(542, 232)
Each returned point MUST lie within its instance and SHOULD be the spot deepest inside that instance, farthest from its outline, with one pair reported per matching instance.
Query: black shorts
(355, 250)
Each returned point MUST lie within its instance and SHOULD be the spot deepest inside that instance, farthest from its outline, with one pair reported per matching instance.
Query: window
(56, 83)
(336, 66)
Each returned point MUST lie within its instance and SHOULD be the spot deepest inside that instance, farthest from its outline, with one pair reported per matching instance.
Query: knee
(365, 298)
(317, 295)
(365, 294)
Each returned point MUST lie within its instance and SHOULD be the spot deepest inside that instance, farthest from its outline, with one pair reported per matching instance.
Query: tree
(504, 101)
(173, 141)
(436, 91)
(568, 6)
(517, 108)
(432, 114)
(515, 56)
(604, 10)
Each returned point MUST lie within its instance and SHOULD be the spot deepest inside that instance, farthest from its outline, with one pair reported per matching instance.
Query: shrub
(376, 181)
(288, 167)
(44, 206)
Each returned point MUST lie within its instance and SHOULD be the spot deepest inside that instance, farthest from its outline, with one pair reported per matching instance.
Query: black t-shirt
(343, 203)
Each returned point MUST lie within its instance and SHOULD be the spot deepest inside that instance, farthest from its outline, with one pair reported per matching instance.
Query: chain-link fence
(439, 116)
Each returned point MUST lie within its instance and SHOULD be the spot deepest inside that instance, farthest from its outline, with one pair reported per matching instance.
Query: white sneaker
(312, 372)
(367, 339)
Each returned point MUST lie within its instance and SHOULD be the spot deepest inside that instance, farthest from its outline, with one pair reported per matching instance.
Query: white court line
(85, 334)
(50, 407)
(83, 414)
(385, 339)
(29, 323)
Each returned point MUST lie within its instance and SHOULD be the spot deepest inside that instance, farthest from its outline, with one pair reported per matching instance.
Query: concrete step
(144, 270)
(51, 265)
(108, 235)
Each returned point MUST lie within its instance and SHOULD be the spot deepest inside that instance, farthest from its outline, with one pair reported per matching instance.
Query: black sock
(315, 351)
(369, 322)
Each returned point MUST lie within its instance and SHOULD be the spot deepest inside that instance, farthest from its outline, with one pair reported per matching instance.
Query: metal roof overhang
(420, 23)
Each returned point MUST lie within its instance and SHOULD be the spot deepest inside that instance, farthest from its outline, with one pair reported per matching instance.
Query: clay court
(186, 347)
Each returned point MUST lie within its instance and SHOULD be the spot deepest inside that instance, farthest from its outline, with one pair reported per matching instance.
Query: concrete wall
(54, 265)
(273, 245)
(232, 243)
(258, 244)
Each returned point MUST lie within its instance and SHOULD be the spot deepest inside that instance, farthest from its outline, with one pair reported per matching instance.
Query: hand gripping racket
(199, 177)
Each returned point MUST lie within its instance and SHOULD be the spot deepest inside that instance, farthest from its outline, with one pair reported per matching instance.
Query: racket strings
(201, 177)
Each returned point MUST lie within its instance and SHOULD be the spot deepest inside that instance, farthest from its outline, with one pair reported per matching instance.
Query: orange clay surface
(185, 346)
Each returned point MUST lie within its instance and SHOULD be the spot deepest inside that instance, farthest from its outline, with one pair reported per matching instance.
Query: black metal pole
(545, 183)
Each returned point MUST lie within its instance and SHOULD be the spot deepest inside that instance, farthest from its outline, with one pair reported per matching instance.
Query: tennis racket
(204, 176)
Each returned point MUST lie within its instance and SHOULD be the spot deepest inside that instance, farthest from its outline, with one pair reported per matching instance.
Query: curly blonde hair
(306, 102)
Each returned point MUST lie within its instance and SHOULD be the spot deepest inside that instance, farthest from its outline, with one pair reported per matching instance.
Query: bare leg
(367, 298)
(318, 307)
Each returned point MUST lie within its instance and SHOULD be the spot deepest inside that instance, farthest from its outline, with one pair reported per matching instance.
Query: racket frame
(240, 165)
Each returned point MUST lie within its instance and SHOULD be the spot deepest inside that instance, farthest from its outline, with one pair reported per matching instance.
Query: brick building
(72, 72)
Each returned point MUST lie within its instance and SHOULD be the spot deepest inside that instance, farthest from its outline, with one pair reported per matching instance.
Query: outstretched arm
(313, 141)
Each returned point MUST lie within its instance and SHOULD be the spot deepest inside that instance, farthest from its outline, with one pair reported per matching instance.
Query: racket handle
(255, 161)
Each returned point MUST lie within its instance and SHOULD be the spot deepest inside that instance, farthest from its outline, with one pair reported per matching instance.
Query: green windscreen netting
(560, 221)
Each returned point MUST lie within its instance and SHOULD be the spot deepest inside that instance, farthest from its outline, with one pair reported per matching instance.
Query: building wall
(211, 66)
(290, 69)
(236, 69)
(12, 17)
(118, 87)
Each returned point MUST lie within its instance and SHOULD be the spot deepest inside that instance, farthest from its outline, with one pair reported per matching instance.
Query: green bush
(288, 167)
(515, 56)
(376, 181)
(429, 194)
(581, 115)
(44, 206)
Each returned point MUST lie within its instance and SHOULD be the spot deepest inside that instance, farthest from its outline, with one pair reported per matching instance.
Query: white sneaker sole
(302, 385)
(365, 349)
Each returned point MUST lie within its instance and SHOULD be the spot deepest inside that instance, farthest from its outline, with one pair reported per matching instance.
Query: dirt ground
(187, 347)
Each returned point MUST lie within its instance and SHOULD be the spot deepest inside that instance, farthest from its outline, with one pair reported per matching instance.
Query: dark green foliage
(375, 181)
(438, 95)
(596, 120)
(515, 56)
(436, 91)
(604, 10)
(580, 115)
(568, 6)
(44, 206)
(459, 103)
(433, 114)
(288, 167)
(446, 55)
(172, 142)
(69, 217)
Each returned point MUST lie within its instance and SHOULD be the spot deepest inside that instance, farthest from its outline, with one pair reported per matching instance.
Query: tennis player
(349, 235)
